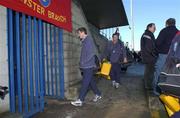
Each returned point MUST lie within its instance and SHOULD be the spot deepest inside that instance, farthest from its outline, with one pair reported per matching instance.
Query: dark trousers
(149, 75)
(88, 82)
(176, 115)
(115, 73)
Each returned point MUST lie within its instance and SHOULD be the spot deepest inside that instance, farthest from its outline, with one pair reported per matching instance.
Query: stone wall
(4, 80)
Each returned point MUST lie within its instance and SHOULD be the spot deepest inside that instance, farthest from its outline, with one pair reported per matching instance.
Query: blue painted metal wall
(54, 71)
(36, 65)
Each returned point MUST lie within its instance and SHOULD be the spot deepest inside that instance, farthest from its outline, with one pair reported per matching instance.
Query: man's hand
(125, 60)
(104, 60)
(178, 65)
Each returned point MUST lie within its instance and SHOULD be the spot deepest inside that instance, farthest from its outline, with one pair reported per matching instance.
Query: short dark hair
(171, 22)
(115, 34)
(149, 25)
(82, 29)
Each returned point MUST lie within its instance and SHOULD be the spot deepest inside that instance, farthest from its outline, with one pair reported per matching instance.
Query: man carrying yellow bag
(116, 54)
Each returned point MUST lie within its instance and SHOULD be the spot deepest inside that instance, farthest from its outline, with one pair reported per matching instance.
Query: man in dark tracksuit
(149, 55)
(87, 66)
(115, 53)
(163, 43)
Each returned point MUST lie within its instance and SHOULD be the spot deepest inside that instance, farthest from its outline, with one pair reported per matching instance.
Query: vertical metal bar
(61, 62)
(132, 22)
(109, 37)
(47, 61)
(25, 62)
(11, 62)
(43, 59)
(51, 60)
(18, 59)
(106, 33)
(55, 61)
(40, 45)
(41, 76)
(35, 63)
(38, 61)
(30, 63)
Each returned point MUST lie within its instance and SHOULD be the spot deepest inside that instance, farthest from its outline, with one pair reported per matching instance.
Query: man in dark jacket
(149, 55)
(163, 43)
(115, 53)
(173, 58)
(87, 65)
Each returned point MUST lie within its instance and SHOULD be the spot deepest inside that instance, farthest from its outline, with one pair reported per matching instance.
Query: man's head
(82, 32)
(170, 22)
(151, 27)
(115, 38)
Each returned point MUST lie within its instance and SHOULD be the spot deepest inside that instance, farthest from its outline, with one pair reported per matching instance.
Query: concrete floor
(129, 101)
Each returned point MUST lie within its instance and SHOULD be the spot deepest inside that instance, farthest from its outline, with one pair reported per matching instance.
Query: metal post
(18, 59)
(47, 61)
(51, 61)
(41, 75)
(55, 61)
(25, 63)
(132, 24)
(30, 63)
(43, 58)
(61, 63)
(35, 63)
(11, 62)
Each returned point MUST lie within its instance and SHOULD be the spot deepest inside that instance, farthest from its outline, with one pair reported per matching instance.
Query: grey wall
(4, 80)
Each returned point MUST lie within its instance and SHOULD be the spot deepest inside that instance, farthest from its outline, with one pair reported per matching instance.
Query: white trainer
(113, 83)
(117, 85)
(77, 103)
(96, 98)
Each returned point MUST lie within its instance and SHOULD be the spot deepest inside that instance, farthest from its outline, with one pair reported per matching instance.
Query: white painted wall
(4, 105)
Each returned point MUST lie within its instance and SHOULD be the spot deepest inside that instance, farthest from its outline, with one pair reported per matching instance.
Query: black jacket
(148, 49)
(173, 57)
(165, 38)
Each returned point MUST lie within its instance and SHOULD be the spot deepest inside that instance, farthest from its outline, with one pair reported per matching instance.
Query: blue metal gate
(35, 63)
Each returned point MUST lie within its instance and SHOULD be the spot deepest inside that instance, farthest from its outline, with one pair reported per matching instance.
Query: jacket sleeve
(90, 51)
(160, 38)
(149, 45)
